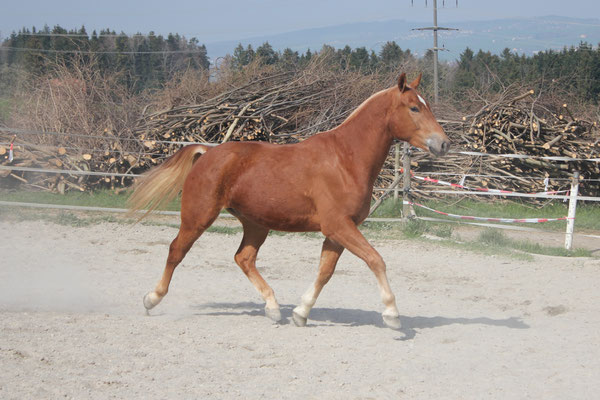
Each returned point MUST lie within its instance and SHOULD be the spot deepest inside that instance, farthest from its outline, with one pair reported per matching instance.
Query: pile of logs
(519, 127)
(280, 108)
(78, 154)
(286, 108)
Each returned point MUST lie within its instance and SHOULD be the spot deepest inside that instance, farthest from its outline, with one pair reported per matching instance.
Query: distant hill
(521, 35)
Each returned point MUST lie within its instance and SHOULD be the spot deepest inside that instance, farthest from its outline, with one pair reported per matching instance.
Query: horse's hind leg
(330, 254)
(245, 257)
(345, 232)
(193, 224)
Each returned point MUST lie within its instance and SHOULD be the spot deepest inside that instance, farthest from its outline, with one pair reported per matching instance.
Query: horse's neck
(364, 137)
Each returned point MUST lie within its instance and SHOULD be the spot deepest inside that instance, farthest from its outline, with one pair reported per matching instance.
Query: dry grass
(76, 98)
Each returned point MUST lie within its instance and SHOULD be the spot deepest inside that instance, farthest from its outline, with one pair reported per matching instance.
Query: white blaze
(422, 100)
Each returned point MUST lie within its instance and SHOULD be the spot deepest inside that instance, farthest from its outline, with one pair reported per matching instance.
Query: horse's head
(411, 119)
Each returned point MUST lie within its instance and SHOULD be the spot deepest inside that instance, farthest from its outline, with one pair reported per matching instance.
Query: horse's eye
(414, 109)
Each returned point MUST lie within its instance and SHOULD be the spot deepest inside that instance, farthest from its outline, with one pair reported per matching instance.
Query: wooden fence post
(572, 209)
(396, 169)
(406, 208)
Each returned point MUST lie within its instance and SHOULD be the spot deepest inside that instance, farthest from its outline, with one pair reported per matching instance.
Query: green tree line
(361, 59)
(577, 68)
(145, 61)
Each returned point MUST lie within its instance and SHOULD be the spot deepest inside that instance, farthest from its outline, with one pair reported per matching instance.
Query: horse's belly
(291, 214)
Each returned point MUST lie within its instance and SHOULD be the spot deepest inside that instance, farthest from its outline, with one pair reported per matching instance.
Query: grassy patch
(486, 250)
(587, 217)
(414, 228)
(60, 217)
(389, 209)
(442, 230)
(493, 237)
(496, 239)
(490, 241)
(225, 230)
(100, 198)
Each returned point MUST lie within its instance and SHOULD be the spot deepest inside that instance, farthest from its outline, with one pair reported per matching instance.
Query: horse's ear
(402, 82)
(415, 83)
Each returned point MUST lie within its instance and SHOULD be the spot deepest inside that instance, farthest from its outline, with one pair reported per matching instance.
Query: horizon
(222, 28)
(245, 19)
(90, 31)
(336, 37)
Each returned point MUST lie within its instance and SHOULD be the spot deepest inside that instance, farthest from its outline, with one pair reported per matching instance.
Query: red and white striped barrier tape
(504, 220)
(10, 151)
(460, 186)
(525, 156)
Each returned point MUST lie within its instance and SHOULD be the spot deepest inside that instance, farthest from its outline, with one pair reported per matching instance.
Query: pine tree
(359, 59)
(289, 58)
(240, 57)
(391, 54)
(266, 54)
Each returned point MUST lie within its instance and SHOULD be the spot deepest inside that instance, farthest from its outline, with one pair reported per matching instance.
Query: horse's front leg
(345, 232)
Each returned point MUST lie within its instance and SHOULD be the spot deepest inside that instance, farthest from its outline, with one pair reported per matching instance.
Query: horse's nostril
(445, 146)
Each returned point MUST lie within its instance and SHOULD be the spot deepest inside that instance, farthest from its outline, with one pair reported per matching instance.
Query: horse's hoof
(151, 300)
(273, 313)
(298, 319)
(392, 321)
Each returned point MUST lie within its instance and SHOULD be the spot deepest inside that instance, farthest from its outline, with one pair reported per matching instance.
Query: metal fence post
(572, 209)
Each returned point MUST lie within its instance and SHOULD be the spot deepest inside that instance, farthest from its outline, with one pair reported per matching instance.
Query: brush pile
(35, 155)
(518, 127)
(279, 108)
(287, 108)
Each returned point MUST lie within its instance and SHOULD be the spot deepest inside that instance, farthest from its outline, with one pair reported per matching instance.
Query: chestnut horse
(323, 183)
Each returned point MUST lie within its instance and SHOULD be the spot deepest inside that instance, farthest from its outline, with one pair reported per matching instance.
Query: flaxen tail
(162, 184)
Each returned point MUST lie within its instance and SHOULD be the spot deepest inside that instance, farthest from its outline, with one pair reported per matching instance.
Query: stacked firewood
(518, 127)
(285, 108)
(279, 108)
(36, 155)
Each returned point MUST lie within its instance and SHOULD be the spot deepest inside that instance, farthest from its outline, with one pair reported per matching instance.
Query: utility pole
(435, 28)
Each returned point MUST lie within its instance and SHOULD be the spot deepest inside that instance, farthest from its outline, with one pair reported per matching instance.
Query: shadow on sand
(355, 317)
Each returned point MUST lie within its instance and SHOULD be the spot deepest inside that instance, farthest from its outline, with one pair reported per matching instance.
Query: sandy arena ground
(72, 324)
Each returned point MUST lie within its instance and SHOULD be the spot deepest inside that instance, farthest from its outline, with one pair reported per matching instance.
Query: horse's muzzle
(438, 144)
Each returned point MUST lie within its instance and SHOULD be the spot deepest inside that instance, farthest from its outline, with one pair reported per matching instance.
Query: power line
(85, 150)
(44, 34)
(100, 52)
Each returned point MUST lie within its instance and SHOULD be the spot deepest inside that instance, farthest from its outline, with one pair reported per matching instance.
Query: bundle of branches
(278, 108)
(97, 112)
(518, 126)
(33, 165)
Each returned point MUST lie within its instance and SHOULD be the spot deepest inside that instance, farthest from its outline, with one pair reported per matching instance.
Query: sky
(219, 20)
